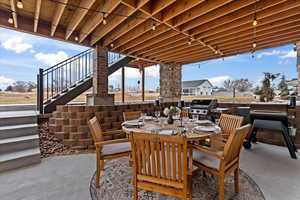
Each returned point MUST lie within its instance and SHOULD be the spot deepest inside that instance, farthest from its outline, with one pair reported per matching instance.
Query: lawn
(30, 97)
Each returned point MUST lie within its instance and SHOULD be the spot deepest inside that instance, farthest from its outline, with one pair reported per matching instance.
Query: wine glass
(157, 114)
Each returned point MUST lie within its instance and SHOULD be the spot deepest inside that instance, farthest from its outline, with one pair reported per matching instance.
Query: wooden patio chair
(221, 163)
(228, 124)
(161, 165)
(131, 115)
(109, 149)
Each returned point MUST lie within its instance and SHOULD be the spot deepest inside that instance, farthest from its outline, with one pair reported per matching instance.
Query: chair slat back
(234, 143)
(184, 113)
(228, 123)
(95, 129)
(160, 159)
(131, 115)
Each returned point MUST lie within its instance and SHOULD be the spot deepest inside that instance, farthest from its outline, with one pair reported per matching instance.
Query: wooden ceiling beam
(260, 15)
(179, 7)
(97, 18)
(38, 4)
(14, 12)
(156, 43)
(130, 23)
(114, 21)
(264, 23)
(260, 31)
(235, 43)
(227, 14)
(217, 13)
(78, 16)
(26, 25)
(271, 21)
(197, 11)
(238, 50)
(59, 10)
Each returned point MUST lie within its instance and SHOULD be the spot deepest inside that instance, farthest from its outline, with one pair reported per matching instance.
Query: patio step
(18, 159)
(19, 139)
(18, 143)
(17, 118)
(18, 130)
(17, 107)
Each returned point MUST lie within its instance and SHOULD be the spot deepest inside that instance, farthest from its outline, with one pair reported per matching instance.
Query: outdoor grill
(202, 107)
(271, 120)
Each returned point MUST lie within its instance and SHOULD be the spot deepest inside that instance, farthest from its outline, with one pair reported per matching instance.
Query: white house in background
(197, 88)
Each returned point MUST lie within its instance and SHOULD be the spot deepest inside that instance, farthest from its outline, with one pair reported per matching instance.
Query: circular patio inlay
(115, 184)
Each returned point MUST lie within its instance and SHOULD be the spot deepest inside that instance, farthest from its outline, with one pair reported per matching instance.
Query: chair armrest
(102, 143)
(113, 132)
(209, 151)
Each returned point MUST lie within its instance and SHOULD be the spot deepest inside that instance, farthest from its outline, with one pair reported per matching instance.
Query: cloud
(51, 58)
(269, 53)
(218, 80)
(284, 62)
(290, 54)
(4, 82)
(16, 44)
(152, 71)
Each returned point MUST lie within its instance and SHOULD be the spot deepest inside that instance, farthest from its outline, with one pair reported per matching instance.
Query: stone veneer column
(170, 82)
(298, 66)
(100, 94)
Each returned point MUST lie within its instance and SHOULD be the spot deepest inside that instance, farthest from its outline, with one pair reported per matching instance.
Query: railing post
(40, 98)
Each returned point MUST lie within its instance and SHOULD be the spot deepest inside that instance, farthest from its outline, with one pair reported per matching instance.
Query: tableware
(133, 123)
(165, 131)
(206, 128)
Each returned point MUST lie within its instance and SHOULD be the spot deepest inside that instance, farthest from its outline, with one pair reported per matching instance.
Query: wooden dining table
(187, 130)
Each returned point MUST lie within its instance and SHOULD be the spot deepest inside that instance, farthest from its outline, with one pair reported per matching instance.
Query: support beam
(59, 10)
(14, 12)
(100, 94)
(298, 66)
(143, 83)
(38, 4)
(78, 16)
(170, 82)
(123, 84)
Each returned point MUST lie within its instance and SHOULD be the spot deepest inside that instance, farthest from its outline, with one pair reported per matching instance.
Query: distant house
(197, 88)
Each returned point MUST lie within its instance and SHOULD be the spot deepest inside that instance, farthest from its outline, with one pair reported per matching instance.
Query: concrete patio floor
(68, 177)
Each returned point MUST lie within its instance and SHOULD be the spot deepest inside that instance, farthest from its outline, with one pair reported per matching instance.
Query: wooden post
(123, 84)
(143, 84)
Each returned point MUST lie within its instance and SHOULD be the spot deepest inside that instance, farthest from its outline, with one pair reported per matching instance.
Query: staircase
(63, 82)
(19, 140)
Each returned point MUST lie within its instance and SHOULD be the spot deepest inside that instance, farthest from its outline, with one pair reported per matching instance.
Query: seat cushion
(206, 159)
(111, 149)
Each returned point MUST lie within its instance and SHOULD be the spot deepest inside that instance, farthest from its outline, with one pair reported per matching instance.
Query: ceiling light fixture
(153, 27)
(254, 45)
(104, 22)
(10, 20)
(76, 38)
(254, 23)
(189, 42)
(112, 45)
(20, 4)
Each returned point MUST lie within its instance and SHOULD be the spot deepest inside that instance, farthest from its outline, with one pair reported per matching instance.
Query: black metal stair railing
(66, 75)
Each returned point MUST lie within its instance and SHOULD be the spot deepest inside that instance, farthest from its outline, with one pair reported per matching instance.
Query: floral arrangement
(172, 111)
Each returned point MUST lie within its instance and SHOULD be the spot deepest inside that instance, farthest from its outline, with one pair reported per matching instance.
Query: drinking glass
(185, 120)
(195, 117)
(157, 114)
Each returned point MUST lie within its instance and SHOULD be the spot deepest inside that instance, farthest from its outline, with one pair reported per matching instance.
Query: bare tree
(243, 85)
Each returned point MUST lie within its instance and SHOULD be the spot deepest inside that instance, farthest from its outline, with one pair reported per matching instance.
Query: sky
(21, 56)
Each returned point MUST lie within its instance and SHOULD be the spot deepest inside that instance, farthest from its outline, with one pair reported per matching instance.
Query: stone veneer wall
(298, 65)
(69, 123)
(170, 82)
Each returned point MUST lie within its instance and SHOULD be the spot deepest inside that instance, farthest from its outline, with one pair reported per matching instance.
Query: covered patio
(140, 34)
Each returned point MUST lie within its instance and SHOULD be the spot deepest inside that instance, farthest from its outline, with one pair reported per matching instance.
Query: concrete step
(17, 107)
(19, 159)
(17, 118)
(19, 143)
(18, 130)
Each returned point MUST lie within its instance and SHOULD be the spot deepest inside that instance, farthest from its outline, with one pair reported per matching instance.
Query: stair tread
(13, 114)
(18, 139)
(19, 154)
(3, 128)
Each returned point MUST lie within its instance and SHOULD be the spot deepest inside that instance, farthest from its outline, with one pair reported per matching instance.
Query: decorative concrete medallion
(115, 184)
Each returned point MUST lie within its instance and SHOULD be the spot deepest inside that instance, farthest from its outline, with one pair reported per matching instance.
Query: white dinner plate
(167, 132)
(207, 128)
(132, 123)
(203, 122)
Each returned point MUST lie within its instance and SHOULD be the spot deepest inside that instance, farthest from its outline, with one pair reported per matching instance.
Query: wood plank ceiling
(160, 31)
